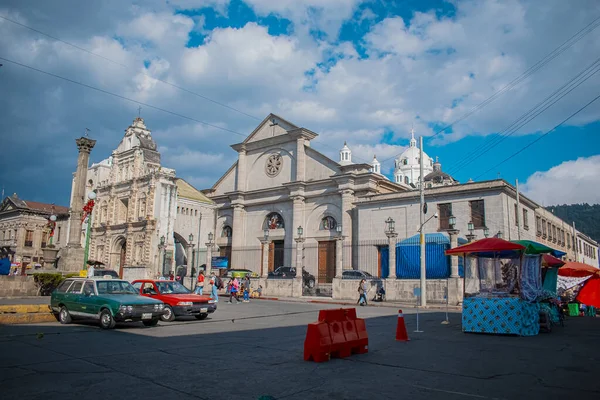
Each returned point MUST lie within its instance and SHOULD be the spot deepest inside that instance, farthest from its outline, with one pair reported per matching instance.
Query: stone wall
(396, 290)
(347, 289)
(17, 286)
(280, 287)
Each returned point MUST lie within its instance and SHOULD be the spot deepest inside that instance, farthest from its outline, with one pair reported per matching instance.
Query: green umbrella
(532, 247)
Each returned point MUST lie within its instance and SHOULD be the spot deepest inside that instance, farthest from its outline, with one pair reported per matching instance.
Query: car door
(87, 299)
(73, 297)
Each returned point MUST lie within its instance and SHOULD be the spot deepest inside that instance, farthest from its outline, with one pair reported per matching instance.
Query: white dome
(407, 165)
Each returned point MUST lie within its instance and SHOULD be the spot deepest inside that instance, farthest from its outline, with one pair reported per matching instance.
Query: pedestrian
(234, 291)
(4, 264)
(362, 291)
(246, 289)
(171, 276)
(214, 291)
(200, 284)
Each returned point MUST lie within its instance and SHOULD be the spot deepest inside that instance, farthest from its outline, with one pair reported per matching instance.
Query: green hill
(586, 217)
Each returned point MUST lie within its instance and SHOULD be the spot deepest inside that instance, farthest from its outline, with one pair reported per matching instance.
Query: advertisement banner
(219, 262)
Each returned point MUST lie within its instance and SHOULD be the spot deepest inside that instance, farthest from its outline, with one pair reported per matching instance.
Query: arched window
(405, 161)
(226, 232)
(328, 224)
(274, 221)
(406, 180)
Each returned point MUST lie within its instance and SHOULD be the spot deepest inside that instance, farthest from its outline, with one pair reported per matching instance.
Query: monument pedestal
(455, 291)
(71, 259)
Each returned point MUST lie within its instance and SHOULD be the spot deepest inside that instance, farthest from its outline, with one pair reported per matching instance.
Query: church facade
(280, 190)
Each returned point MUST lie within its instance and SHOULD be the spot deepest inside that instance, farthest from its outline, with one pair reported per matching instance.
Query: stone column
(392, 238)
(453, 233)
(299, 256)
(265, 258)
(237, 238)
(209, 246)
(297, 218)
(241, 170)
(300, 160)
(347, 200)
(339, 257)
(85, 146)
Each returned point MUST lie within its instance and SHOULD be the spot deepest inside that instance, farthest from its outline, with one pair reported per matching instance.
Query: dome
(407, 167)
(438, 177)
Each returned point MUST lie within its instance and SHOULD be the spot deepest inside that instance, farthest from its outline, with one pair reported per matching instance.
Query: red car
(179, 301)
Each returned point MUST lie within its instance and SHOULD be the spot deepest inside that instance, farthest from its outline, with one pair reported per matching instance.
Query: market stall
(501, 288)
(579, 283)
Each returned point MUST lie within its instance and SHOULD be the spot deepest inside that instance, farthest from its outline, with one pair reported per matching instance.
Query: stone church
(144, 215)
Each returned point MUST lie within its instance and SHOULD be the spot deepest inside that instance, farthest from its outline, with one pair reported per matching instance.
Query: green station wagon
(107, 300)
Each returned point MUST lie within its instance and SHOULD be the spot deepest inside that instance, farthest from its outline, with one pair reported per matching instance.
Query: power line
(129, 67)
(121, 97)
(531, 114)
(530, 71)
(540, 138)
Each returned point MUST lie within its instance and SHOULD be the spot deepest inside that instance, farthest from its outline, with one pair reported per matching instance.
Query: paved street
(248, 350)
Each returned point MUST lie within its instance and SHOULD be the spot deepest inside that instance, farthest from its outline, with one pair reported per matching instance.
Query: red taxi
(179, 301)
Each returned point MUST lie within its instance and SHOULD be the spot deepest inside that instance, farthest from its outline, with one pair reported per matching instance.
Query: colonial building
(25, 230)
(143, 214)
(280, 183)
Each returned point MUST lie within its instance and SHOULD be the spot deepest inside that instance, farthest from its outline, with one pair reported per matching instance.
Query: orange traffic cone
(401, 334)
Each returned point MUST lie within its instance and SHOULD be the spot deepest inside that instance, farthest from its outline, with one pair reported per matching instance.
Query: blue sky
(364, 72)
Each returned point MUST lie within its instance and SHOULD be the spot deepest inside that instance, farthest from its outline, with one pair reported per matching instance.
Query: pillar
(297, 219)
(241, 170)
(347, 200)
(299, 256)
(300, 160)
(209, 246)
(453, 259)
(392, 238)
(237, 237)
(85, 146)
(265, 258)
(339, 257)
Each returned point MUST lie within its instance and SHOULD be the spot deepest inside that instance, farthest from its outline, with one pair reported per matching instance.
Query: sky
(364, 72)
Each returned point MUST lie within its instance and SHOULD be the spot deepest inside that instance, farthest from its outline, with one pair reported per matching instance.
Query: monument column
(85, 146)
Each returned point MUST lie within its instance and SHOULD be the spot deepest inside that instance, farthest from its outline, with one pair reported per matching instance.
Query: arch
(328, 223)
(226, 232)
(181, 246)
(118, 253)
(316, 215)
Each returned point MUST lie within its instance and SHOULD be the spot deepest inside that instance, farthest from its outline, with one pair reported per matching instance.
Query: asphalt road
(251, 350)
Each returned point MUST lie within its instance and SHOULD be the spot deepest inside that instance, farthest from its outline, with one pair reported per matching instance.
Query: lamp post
(209, 248)
(265, 253)
(161, 247)
(486, 232)
(299, 252)
(390, 232)
(499, 235)
(191, 257)
(339, 261)
(87, 212)
(471, 236)
(423, 269)
(453, 233)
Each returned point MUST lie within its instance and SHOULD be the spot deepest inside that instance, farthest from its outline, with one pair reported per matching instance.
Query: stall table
(500, 315)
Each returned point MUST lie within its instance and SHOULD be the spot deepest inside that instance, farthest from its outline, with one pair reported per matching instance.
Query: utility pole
(422, 235)
(518, 213)
(575, 242)
(198, 245)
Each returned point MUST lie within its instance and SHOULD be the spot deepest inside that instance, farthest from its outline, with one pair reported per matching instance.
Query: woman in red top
(200, 283)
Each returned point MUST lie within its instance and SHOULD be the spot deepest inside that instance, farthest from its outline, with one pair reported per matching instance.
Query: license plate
(203, 310)
(147, 316)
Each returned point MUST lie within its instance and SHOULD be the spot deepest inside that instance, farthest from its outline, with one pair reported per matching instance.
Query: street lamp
(87, 212)
(210, 237)
(390, 225)
(470, 227)
(300, 231)
(486, 232)
(191, 242)
(266, 234)
(161, 247)
(499, 235)
(452, 221)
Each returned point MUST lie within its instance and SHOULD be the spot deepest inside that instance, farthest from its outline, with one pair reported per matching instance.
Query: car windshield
(171, 287)
(368, 275)
(115, 287)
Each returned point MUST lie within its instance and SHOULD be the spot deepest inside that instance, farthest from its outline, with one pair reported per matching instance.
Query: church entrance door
(276, 251)
(326, 261)
(122, 255)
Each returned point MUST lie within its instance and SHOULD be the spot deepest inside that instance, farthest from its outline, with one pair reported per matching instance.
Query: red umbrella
(487, 247)
(551, 261)
(590, 293)
(577, 269)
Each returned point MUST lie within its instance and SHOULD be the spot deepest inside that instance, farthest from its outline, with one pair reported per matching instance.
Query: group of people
(363, 290)
(234, 288)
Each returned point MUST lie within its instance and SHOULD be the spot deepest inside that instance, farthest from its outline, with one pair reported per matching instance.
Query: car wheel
(63, 316)
(201, 316)
(152, 322)
(168, 315)
(311, 283)
(106, 320)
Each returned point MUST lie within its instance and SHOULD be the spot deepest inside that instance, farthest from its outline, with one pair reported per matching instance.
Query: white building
(407, 167)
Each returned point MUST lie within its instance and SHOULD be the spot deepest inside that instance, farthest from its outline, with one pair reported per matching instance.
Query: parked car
(179, 300)
(357, 274)
(290, 272)
(101, 272)
(240, 273)
(107, 300)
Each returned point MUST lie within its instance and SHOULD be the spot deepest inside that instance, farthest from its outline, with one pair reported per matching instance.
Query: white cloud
(570, 182)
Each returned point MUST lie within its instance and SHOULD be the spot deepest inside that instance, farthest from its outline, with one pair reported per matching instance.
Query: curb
(24, 308)
(28, 318)
(348, 303)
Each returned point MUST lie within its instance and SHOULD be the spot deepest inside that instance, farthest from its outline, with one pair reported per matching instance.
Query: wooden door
(276, 253)
(326, 262)
(271, 256)
(122, 259)
(379, 261)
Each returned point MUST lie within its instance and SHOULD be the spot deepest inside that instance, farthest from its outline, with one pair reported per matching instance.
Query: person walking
(200, 284)
(235, 286)
(214, 291)
(362, 291)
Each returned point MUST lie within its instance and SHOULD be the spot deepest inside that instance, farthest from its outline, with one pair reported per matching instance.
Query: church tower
(376, 165)
(345, 155)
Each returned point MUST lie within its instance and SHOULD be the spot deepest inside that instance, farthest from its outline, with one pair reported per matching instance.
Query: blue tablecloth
(504, 315)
